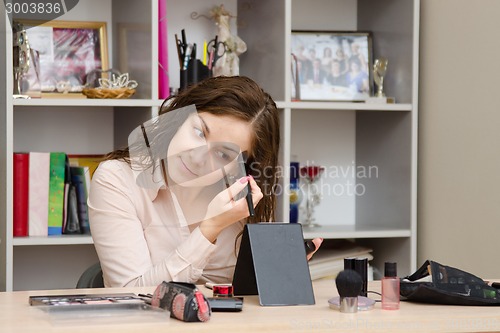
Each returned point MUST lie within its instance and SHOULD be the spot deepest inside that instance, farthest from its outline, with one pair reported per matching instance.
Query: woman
(357, 78)
(146, 232)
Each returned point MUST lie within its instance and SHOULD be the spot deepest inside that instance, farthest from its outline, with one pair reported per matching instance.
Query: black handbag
(184, 301)
(439, 284)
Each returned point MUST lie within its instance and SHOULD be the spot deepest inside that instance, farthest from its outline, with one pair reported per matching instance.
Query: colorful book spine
(91, 161)
(163, 81)
(39, 171)
(56, 193)
(21, 194)
(79, 179)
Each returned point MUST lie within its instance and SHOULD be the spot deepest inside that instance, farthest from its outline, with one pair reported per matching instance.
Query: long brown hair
(244, 99)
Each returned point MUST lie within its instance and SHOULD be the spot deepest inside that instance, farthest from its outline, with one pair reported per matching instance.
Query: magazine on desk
(329, 260)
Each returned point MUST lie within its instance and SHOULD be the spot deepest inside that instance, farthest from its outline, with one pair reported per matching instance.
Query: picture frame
(332, 65)
(67, 52)
(134, 40)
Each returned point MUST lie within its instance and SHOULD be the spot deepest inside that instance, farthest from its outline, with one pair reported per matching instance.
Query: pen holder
(194, 73)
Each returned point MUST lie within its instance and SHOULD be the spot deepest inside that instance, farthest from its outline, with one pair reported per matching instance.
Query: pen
(184, 41)
(180, 55)
(211, 59)
(187, 56)
(205, 52)
(193, 51)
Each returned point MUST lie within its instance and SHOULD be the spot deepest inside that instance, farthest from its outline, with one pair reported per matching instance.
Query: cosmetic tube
(390, 287)
(361, 266)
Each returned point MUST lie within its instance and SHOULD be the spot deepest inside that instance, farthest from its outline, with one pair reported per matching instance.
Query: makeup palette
(87, 299)
(81, 309)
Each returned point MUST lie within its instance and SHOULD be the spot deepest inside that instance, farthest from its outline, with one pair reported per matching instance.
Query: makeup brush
(349, 284)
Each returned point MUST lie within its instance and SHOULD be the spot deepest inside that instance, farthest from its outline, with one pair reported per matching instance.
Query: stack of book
(50, 193)
(328, 261)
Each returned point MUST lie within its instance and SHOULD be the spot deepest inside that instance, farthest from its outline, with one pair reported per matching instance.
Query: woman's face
(204, 145)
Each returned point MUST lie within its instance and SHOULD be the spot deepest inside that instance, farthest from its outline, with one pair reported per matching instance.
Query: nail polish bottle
(390, 287)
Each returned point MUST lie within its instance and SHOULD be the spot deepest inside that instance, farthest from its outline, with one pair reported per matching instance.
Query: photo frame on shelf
(68, 51)
(134, 45)
(333, 65)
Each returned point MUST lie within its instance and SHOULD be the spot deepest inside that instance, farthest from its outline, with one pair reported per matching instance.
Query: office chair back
(91, 277)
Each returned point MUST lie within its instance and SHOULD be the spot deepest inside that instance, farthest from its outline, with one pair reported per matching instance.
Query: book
(39, 171)
(90, 161)
(81, 179)
(20, 194)
(71, 220)
(328, 261)
(56, 193)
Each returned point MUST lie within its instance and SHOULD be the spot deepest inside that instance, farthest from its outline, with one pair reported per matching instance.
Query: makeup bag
(184, 301)
(439, 284)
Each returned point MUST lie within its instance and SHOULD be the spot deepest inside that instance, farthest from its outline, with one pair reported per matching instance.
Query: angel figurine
(228, 63)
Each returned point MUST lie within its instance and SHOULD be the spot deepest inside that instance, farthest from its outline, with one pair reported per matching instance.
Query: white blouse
(141, 239)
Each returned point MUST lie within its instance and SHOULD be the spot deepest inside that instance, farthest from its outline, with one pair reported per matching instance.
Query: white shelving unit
(348, 135)
(333, 134)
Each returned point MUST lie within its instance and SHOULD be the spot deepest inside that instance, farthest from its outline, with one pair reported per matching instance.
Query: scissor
(215, 50)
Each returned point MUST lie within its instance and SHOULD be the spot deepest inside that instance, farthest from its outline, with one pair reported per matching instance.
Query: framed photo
(134, 46)
(332, 65)
(67, 52)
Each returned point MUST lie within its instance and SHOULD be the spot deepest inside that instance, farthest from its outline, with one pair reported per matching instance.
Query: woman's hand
(223, 210)
(317, 242)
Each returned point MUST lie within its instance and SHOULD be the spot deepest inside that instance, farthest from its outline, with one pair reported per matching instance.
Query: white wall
(459, 159)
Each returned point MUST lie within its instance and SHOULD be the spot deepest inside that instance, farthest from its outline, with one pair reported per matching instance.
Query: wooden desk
(17, 316)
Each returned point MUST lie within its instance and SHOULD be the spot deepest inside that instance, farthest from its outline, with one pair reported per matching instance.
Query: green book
(56, 193)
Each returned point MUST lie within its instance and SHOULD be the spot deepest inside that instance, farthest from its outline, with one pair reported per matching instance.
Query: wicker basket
(108, 93)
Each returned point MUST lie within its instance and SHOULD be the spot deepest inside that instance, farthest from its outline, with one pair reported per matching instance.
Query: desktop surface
(16, 315)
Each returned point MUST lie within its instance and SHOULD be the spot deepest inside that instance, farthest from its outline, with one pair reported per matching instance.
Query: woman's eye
(222, 155)
(198, 132)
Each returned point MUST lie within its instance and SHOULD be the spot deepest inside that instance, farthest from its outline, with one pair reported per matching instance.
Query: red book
(21, 193)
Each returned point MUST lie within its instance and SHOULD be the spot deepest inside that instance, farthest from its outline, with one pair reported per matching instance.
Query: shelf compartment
(348, 106)
(53, 240)
(87, 102)
(353, 231)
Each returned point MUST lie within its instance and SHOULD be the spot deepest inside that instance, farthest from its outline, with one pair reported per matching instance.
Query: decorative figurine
(228, 63)
(310, 174)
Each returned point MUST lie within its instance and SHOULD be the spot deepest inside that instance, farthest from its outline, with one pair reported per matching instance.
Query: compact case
(439, 284)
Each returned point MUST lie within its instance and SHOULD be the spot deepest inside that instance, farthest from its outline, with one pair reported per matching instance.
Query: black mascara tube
(361, 266)
(249, 188)
(310, 247)
(249, 195)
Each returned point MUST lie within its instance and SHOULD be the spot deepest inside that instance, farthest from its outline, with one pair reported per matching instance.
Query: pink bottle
(390, 287)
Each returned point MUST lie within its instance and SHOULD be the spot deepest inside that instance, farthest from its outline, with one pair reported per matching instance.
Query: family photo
(331, 65)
